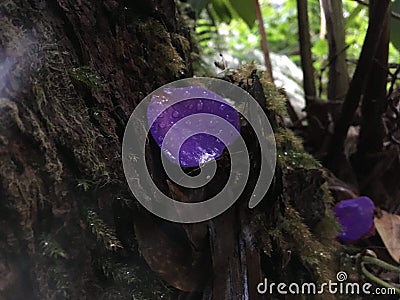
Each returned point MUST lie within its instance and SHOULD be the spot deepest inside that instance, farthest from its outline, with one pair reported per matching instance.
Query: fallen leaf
(388, 227)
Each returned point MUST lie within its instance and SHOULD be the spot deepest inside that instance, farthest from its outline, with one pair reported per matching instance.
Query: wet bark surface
(71, 73)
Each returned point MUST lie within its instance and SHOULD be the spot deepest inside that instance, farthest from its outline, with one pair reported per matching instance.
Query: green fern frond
(87, 76)
(141, 283)
(51, 248)
(61, 281)
(311, 251)
(103, 232)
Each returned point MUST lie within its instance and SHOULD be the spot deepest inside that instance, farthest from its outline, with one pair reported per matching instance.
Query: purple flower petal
(172, 105)
(356, 217)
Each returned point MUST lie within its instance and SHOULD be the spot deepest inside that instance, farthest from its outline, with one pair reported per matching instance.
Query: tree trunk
(338, 77)
(71, 73)
(370, 155)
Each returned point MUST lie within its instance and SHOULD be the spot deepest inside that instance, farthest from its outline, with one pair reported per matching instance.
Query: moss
(103, 232)
(311, 251)
(243, 73)
(297, 159)
(290, 151)
(68, 128)
(54, 91)
(286, 139)
(327, 229)
(87, 76)
(53, 165)
(47, 107)
(276, 100)
(291, 235)
(84, 184)
(172, 61)
(141, 283)
(10, 115)
(316, 247)
(163, 54)
(13, 39)
(182, 41)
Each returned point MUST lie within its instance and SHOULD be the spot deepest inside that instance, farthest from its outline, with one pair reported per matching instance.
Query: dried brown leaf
(388, 227)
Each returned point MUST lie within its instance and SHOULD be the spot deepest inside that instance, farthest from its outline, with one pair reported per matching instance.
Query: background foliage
(228, 27)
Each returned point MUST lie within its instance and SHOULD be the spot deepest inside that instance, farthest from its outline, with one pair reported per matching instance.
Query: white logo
(183, 120)
(341, 276)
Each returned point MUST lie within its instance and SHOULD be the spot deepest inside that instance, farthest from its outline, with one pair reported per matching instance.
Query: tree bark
(335, 159)
(338, 77)
(370, 155)
(71, 73)
(305, 49)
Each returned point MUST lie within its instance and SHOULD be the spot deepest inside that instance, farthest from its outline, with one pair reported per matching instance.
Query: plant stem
(305, 50)
(358, 83)
(264, 41)
(366, 260)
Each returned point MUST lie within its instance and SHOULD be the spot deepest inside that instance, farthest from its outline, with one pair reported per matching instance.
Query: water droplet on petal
(188, 101)
(168, 91)
(200, 105)
(175, 114)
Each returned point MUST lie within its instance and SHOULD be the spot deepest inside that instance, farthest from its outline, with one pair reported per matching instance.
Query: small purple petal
(356, 217)
(171, 105)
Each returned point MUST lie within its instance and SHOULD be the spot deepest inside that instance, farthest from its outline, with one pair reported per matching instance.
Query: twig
(372, 131)
(393, 81)
(338, 82)
(393, 14)
(305, 50)
(367, 260)
(264, 41)
(330, 62)
(358, 83)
